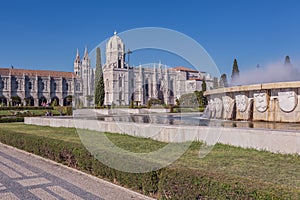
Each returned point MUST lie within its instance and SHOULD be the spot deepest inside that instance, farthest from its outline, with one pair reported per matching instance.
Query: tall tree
(289, 66)
(235, 71)
(203, 85)
(287, 60)
(99, 82)
(204, 99)
(224, 81)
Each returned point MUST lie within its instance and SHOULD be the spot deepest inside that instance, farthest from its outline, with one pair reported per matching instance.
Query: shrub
(196, 184)
(131, 105)
(11, 119)
(27, 108)
(65, 110)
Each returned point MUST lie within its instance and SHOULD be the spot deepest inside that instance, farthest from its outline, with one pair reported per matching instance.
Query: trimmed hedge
(76, 156)
(197, 184)
(27, 108)
(11, 119)
(168, 183)
(65, 110)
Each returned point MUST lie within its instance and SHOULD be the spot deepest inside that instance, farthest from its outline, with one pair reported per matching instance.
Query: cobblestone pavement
(25, 176)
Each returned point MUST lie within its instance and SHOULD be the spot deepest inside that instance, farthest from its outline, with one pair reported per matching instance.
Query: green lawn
(5, 112)
(268, 167)
(259, 166)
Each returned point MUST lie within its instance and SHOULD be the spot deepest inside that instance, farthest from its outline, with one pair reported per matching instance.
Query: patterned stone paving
(25, 176)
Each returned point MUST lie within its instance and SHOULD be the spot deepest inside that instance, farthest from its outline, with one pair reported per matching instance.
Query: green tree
(287, 60)
(223, 80)
(235, 71)
(203, 85)
(204, 99)
(199, 96)
(99, 82)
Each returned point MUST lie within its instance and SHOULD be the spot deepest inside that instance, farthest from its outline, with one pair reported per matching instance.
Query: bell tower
(77, 65)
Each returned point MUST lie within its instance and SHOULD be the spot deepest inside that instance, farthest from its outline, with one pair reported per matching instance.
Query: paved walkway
(27, 176)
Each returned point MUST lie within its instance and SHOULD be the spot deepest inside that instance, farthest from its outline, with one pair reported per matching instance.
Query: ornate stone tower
(85, 74)
(115, 50)
(77, 65)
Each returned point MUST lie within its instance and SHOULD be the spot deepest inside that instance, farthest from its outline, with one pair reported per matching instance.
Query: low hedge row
(65, 110)
(196, 184)
(76, 156)
(27, 108)
(11, 119)
(168, 183)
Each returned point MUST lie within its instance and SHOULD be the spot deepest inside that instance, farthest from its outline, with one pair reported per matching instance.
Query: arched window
(147, 88)
(29, 85)
(132, 83)
(120, 96)
(1, 85)
(16, 85)
(120, 81)
(172, 85)
(78, 87)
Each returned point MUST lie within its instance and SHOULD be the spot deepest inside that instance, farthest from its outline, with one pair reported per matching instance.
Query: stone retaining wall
(273, 141)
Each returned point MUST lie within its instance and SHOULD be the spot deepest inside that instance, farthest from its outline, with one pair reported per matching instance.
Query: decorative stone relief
(227, 103)
(241, 102)
(191, 86)
(211, 105)
(287, 101)
(261, 101)
(218, 106)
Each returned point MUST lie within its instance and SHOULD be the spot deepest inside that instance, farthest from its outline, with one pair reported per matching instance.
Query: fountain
(269, 102)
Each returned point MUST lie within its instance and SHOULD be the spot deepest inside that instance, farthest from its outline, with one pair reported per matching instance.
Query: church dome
(115, 43)
(115, 50)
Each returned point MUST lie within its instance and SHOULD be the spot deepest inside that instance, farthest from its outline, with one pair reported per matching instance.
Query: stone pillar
(166, 87)
(49, 101)
(62, 85)
(36, 102)
(9, 88)
(155, 91)
(61, 101)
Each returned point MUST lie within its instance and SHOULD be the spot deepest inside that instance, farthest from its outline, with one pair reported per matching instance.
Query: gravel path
(26, 176)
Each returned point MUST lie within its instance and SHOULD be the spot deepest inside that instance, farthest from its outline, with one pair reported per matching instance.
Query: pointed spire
(77, 53)
(77, 59)
(86, 54)
(115, 32)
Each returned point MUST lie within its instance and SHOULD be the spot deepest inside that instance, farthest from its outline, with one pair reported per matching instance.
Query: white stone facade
(124, 83)
(84, 88)
(35, 87)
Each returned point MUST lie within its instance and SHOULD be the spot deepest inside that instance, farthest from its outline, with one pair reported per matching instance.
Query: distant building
(35, 87)
(123, 83)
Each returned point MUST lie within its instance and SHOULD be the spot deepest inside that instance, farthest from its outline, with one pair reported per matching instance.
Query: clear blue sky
(45, 34)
